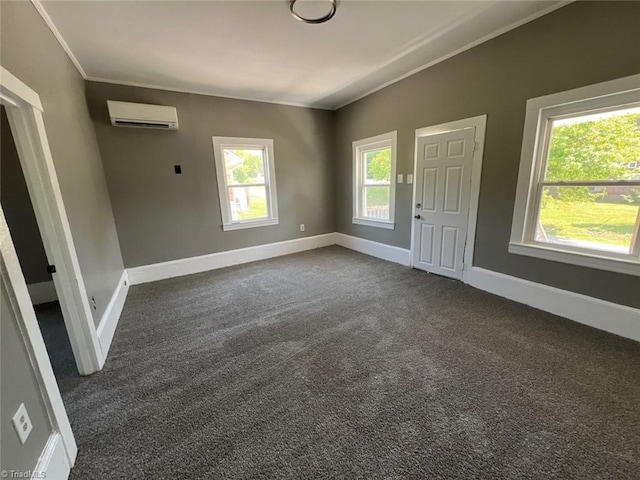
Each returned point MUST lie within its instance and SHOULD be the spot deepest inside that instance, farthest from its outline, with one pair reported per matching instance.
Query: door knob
(417, 217)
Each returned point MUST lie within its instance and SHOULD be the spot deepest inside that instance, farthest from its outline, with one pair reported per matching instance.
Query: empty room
(320, 239)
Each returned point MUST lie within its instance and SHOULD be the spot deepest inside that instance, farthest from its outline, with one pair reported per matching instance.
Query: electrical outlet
(409, 178)
(93, 303)
(302, 227)
(22, 423)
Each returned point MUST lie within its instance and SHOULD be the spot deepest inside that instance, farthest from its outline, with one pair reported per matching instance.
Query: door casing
(480, 125)
(24, 111)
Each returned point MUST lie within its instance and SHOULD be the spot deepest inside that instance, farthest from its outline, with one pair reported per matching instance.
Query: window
(374, 170)
(578, 197)
(246, 182)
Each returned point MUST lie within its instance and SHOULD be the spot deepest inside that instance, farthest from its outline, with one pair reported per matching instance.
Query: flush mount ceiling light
(324, 19)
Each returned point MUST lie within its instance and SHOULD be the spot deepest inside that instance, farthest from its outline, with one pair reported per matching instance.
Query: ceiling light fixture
(324, 19)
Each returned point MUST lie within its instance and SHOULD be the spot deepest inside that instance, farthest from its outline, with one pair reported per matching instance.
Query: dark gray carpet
(332, 364)
(56, 339)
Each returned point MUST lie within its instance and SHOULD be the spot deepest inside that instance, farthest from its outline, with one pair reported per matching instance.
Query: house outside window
(578, 198)
(246, 182)
(374, 169)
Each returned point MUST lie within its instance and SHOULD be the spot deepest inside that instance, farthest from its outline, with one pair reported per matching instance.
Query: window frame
(236, 143)
(360, 148)
(540, 112)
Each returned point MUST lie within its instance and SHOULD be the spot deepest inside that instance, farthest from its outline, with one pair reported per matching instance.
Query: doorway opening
(32, 371)
(27, 238)
(23, 110)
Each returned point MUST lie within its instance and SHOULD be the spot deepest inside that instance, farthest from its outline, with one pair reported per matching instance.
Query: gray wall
(18, 385)
(162, 216)
(580, 44)
(30, 51)
(18, 209)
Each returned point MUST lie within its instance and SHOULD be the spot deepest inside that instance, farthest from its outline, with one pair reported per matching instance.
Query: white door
(441, 210)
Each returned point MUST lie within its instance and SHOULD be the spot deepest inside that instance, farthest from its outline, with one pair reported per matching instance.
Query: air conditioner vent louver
(130, 123)
(140, 115)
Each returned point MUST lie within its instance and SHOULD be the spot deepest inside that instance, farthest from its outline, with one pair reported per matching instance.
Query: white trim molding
(592, 260)
(480, 125)
(109, 321)
(53, 461)
(265, 145)
(17, 93)
(540, 113)
(375, 249)
(43, 292)
(213, 261)
(611, 317)
(13, 285)
(374, 223)
(251, 224)
(169, 88)
(360, 149)
(56, 33)
(311, 104)
(24, 111)
(496, 33)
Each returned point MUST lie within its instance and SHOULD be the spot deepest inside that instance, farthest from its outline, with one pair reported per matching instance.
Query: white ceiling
(256, 50)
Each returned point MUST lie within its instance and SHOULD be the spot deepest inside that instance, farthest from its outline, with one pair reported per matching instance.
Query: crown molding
(56, 33)
(208, 94)
(469, 46)
(47, 19)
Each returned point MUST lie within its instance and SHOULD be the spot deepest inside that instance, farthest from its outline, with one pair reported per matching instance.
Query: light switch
(399, 178)
(22, 423)
(409, 177)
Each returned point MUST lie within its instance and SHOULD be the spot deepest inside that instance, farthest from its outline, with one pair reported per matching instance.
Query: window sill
(628, 266)
(374, 223)
(250, 224)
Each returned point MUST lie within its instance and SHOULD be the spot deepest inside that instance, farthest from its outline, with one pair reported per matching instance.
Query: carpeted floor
(56, 340)
(333, 364)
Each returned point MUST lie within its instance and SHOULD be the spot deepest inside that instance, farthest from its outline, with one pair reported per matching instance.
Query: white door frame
(24, 111)
(480, 124)
(61, 449)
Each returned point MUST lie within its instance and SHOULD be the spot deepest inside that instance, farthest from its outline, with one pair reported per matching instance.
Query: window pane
(597, 146)
(244, 166)
(376, 202)
(248, 203)
(377, 167)
(601, 218)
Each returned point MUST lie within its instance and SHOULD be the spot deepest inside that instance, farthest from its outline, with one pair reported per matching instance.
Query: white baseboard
(43, 292)
(109, 321)
(611, 317)
(375, 249)
(203, 263)
(53, 462)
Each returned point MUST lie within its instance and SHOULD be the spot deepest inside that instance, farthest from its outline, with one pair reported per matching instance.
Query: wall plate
(22, 423)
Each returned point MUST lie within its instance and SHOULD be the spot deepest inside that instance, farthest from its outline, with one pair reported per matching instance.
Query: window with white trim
(246, 182)
(374, 171)
(578, 198)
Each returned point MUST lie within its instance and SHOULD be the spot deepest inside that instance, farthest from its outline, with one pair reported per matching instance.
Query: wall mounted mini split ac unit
(140, 115)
